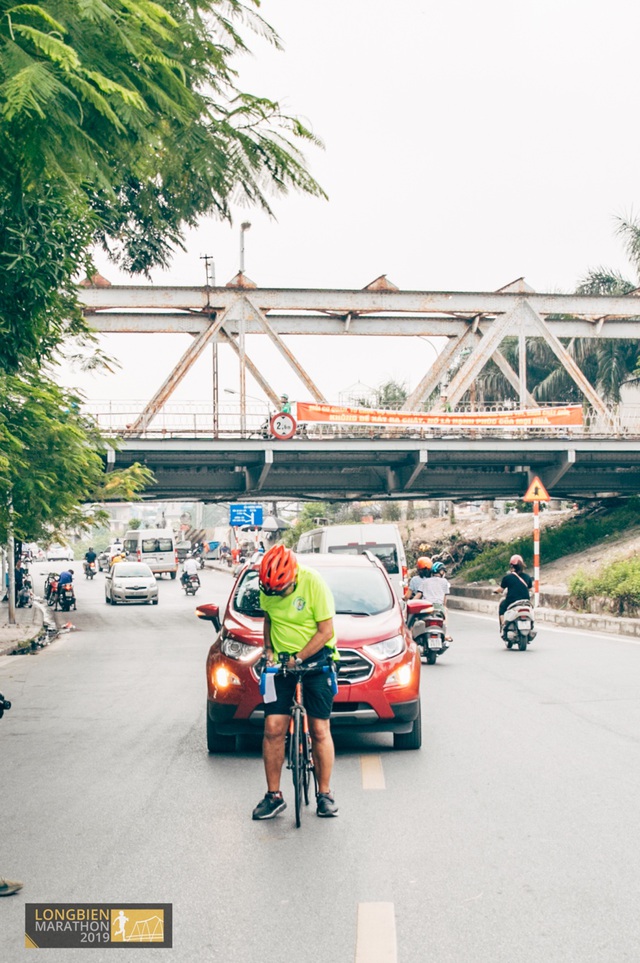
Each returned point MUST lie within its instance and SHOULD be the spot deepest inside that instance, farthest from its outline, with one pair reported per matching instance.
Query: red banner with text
(565, 416)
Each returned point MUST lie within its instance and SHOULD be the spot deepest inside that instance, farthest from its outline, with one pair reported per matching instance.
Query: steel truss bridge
(227, 463)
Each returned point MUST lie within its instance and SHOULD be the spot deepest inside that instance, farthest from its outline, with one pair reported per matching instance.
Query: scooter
(89, 569)
(51, 588)
(65, 597)
(190, 583)
(519, 627)
(426, 622)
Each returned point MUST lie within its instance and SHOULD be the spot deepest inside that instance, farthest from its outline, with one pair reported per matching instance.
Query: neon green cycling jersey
(294, 619)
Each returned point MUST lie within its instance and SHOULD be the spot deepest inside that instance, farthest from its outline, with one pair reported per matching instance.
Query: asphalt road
(512, 835)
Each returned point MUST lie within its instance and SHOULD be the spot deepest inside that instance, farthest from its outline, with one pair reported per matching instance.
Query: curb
(562, 617)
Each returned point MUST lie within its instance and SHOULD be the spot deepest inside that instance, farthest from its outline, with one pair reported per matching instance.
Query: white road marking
(376, 935)
(561, 629)
(372, 772)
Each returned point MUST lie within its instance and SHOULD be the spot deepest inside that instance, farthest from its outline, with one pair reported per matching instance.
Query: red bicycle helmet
(278, 569)
(424, 562)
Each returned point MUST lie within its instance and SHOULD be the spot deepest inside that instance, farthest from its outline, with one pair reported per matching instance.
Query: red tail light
(139, 555)
(405, 571)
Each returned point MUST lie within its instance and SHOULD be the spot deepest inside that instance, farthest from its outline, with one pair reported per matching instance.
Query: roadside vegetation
(619, 582)
(119, 127)
(593, 525)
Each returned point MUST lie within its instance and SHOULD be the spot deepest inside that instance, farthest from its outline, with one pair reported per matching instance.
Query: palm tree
(607, 363)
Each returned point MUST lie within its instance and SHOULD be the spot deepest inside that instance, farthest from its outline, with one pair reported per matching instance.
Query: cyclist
(298, 620)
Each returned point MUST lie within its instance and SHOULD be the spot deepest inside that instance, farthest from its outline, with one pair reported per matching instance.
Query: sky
(466, 144)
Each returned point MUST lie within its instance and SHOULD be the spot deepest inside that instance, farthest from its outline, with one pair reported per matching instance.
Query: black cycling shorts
(317, 694)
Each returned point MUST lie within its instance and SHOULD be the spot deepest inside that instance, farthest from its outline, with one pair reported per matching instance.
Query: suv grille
(354, 667)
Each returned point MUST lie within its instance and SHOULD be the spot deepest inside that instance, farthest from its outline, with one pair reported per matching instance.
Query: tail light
(405, 571)
(175, 555)
(139, 555)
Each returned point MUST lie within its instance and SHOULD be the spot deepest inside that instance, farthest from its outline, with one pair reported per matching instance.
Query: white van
(382, 540)
(155, 546)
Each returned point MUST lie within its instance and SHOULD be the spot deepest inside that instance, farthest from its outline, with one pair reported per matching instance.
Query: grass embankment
(574, 535)
(619, 581)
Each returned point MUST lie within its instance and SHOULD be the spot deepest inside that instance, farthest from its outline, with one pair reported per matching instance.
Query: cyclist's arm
(317, 641)
(266, 637)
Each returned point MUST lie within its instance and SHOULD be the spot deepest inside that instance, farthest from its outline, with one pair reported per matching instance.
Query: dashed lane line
(372, 772)
(376, 934)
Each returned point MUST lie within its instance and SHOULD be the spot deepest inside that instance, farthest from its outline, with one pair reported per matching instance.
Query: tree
(123, 124)
(389, 394)
(50, 462)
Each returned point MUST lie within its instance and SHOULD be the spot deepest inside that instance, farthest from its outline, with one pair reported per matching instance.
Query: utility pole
(11, 590)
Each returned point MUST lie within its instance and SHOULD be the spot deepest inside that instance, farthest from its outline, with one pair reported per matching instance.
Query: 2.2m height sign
(247, 513)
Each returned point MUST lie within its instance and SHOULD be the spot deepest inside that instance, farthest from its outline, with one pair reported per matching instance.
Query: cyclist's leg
(323, 752)
(275, 730)
(276, 723)
(318, 699)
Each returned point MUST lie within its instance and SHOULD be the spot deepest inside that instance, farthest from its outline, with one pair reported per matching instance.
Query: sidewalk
(28, 625)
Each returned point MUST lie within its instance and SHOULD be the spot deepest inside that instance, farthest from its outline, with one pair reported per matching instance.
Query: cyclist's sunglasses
(271, 591)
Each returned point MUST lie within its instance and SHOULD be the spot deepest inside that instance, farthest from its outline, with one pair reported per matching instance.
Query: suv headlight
(240, 651)
(387, 649)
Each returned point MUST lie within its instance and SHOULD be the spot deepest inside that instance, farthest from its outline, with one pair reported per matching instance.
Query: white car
(59, 553)
(130, 582)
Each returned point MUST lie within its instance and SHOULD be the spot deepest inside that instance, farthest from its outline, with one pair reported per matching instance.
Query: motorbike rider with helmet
(298, 619)
(89, 558)
(516, 585)
(190, 567)
(431, 585)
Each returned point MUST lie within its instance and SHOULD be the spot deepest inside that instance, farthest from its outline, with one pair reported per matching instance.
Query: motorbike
(51, 587)
(190, 583)
(519, 627)
(5, 705)
(25, 595)
(65, 597)
(426, 622)
(89, 569)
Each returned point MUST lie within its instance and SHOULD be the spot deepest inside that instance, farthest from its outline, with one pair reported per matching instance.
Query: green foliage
(391, 512)
(135, 523)
(574, 535)
(619, 581)
(50, 461)
(307, 520)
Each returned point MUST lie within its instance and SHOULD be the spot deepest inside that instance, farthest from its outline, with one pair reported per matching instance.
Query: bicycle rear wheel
(309, 770)
(297, 764)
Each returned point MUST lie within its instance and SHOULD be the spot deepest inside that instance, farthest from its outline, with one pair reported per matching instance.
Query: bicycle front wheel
(297, 764)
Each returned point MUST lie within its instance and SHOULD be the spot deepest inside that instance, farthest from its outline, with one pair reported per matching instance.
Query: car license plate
(524, 624)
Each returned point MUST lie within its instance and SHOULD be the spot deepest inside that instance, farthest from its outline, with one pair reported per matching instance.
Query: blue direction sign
(246, 514)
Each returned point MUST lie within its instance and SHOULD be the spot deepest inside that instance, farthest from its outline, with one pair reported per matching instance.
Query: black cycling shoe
(270, 806)
(326, 805)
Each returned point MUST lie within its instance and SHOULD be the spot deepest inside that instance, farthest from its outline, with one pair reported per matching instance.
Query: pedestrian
(298, 620)
(285, 404)
(19, 577)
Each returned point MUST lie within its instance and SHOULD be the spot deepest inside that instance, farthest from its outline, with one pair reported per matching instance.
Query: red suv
(379, 675)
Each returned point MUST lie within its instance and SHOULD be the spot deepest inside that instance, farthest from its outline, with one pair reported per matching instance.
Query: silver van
(382, 540)
(155, 546)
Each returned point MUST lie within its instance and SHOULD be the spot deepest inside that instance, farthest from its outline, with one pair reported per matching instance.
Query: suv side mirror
(210, 613)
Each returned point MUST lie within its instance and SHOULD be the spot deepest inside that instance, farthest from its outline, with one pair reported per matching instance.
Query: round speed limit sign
(283, 425)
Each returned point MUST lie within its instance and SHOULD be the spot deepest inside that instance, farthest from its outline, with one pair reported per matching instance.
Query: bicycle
(298, 747)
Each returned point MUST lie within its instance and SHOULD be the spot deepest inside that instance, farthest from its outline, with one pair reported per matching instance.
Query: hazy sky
(466, 144)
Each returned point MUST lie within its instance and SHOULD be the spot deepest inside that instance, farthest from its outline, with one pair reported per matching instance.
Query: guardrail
(196, 420)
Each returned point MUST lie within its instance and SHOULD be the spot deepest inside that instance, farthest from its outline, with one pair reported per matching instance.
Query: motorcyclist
(515, 585)
(89, 558)
(190, 568)
(418, 584)
(66, 578)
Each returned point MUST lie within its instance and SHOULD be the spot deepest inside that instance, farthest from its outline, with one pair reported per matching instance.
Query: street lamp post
(243, 228)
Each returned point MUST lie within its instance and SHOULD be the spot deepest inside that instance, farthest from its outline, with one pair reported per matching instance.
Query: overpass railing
(196, 420)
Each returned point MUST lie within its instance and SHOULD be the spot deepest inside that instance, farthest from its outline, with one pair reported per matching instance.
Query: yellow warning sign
(536, 492)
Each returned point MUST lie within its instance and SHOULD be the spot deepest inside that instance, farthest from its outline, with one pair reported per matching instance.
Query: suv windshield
(386, 553)
(356, 591)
